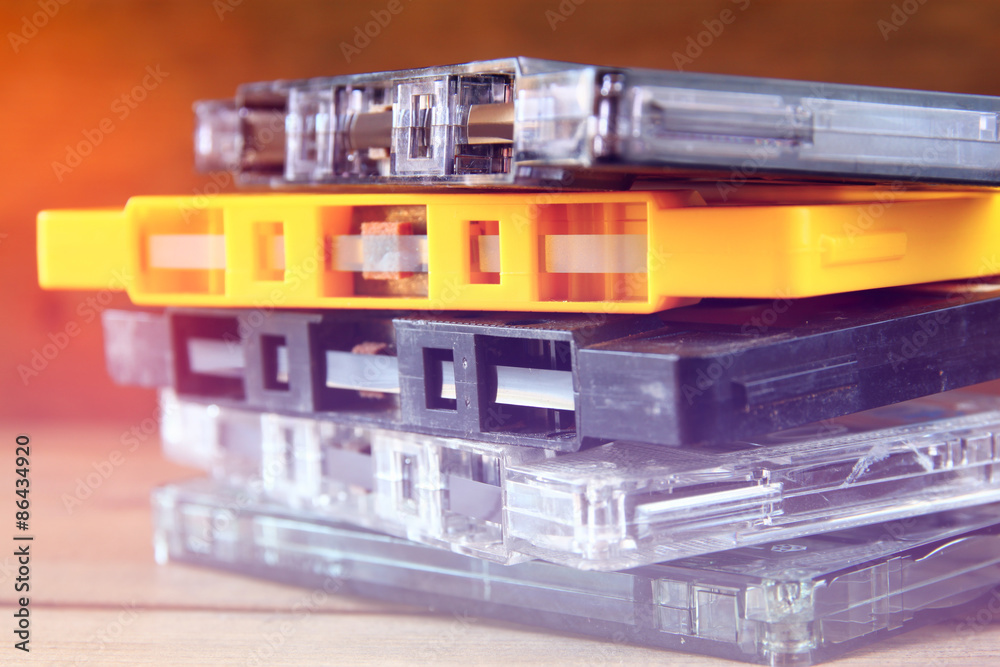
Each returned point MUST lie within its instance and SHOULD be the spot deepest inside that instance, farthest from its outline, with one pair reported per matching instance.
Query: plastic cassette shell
(522, 122)
(623, 252)
(610, 507)
(723, 371)
(797, 602)
(713, 372)
(497, 364)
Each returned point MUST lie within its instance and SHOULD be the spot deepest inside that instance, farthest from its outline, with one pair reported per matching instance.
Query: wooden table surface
(98, 598)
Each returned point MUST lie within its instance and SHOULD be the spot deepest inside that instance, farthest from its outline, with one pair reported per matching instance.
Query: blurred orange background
(66, 65)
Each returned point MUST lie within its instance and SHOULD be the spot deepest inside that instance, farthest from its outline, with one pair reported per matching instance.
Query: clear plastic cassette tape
(796, 602)
(610, 507)
(535, 123)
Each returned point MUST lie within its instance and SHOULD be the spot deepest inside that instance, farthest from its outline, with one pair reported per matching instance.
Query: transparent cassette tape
(797, 602)
(610, 507)
(441, 491)
(534, 123)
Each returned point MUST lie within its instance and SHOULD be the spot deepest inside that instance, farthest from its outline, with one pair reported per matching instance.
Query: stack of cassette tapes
(684, 360)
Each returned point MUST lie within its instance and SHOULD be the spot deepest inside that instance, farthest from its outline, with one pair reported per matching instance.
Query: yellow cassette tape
(627, 252)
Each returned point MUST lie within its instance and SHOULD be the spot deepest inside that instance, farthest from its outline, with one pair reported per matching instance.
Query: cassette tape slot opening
(484, 252)
(375, 251)
(593, 252)
(269, 251)
(275, 361)
(528, 386)
(181, 254)
(440, 391)
(472, 489)
(208, 357)
(356, 369)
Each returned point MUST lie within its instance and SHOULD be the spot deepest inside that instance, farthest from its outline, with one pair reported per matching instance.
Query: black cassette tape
(718, 371)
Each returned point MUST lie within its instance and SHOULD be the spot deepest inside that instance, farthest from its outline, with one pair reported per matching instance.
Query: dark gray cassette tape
(795, 602)
(542, 124)
(714, 372)
(500, 378)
